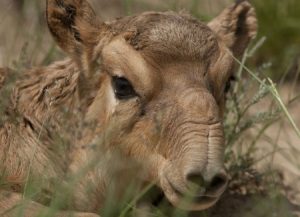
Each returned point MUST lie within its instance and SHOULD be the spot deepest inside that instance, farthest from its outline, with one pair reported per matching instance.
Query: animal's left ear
(236, 26)
(76, 29)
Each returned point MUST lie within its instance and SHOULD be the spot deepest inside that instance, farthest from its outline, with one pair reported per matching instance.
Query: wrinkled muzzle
(195, 178)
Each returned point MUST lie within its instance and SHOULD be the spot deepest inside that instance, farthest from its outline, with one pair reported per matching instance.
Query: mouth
(158, 198)
(192, 201)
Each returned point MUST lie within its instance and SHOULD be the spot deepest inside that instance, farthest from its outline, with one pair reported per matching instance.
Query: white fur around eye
(112, 102)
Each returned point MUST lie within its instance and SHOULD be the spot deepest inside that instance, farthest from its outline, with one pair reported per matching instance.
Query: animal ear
(76, 28)
(236, 26)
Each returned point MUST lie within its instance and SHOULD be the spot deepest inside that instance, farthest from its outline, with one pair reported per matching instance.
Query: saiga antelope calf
(149, 87)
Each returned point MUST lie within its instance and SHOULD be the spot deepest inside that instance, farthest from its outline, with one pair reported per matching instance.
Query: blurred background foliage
(279, 22)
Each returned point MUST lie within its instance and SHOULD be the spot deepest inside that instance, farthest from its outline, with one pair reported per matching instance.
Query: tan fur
(170, 133)
(3, 75)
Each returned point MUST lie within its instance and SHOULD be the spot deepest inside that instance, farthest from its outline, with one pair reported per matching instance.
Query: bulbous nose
(212, 187)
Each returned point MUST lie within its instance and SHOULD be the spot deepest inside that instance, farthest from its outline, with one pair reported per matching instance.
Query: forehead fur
(169, 36)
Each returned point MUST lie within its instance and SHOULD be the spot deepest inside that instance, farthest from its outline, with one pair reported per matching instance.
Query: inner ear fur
(236, 26)
(76, 28)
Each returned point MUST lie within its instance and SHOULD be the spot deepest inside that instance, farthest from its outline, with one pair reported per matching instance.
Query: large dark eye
(122, 88)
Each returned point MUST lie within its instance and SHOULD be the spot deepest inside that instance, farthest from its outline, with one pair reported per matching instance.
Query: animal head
(163, 76)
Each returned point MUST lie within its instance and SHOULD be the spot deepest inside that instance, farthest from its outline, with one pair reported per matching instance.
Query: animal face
(162, 79)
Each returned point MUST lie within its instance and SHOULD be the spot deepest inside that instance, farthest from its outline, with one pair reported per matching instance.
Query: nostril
(196, 184)
(217, 182)
(196, 178)
(217, 185)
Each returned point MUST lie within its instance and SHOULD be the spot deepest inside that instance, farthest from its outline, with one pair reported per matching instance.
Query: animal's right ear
(236, 26)
(76, 29)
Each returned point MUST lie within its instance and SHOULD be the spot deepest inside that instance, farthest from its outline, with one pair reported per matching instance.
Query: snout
(195, 179)
(195, 191)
